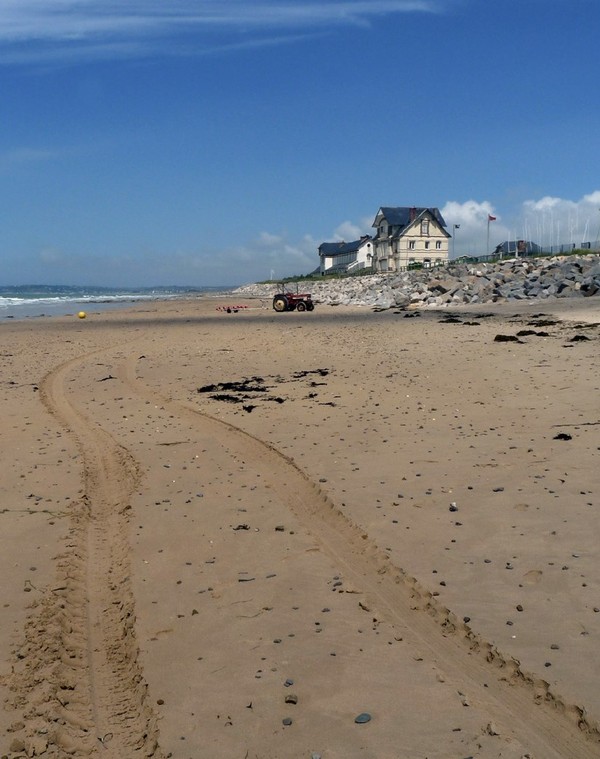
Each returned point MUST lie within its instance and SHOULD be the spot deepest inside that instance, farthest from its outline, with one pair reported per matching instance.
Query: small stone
(491, 729)
(288, 682)
(554, 646)
(287, 721)
(519, 607)
(453, 507)
(362, 718)
(291, 698)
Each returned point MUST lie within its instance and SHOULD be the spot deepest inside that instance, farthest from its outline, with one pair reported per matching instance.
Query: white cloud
(347, 231)
(560, 221)
(593, 198)
(268, 239)
(42, 30)
(26, 155)
(470, 214)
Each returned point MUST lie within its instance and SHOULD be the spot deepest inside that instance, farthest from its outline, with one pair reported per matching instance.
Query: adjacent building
(518, 248)
(346, 256)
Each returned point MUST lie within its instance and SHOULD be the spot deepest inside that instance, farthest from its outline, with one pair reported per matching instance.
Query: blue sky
(217, 142)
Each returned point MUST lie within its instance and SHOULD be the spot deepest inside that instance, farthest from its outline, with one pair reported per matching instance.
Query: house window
(426, 244)
(411, 244)
(438, 245)
(425, 228)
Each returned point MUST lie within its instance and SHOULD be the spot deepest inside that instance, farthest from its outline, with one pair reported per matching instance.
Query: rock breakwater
(456, 284)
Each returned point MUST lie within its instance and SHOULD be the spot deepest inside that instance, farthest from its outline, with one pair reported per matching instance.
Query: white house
(409, 236)
(346, 256)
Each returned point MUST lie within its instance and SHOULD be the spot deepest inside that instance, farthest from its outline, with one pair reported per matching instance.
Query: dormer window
(425, 228)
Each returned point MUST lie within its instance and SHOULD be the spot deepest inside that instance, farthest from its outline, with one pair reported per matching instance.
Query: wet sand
(390, 513)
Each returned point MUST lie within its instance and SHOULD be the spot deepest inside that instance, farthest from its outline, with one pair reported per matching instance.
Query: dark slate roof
(339, 248)
(400, 215)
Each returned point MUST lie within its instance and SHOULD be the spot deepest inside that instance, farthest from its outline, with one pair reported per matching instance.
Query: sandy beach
(338, 534)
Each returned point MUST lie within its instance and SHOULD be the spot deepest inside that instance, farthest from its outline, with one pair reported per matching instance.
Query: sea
(32, 301)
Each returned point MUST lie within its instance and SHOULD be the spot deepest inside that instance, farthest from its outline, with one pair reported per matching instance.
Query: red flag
(491, 218)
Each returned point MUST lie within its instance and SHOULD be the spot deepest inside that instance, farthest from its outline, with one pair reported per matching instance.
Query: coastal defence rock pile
(457, 284)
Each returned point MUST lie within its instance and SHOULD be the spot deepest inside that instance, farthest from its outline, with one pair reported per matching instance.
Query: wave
(42, 300)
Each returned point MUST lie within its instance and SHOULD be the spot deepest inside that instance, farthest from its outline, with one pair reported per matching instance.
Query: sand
(390, 514)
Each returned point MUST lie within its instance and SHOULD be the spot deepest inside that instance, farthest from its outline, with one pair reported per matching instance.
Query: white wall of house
(362, 259)
(424, 242)
(365, 254)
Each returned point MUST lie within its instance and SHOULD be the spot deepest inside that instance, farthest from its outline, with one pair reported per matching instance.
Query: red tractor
(285, 300)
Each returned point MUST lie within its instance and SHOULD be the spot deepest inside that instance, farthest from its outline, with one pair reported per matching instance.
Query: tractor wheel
(310, 306)
(301, 306)
(280, 303)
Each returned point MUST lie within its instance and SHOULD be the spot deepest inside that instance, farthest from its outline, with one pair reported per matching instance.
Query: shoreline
(243, 552)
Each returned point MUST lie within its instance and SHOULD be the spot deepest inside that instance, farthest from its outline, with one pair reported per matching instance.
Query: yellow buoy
(82, 314)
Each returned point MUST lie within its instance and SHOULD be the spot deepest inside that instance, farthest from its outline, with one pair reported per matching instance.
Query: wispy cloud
(34, 30)
(16, 158)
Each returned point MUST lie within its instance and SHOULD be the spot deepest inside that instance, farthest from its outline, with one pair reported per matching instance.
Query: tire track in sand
(78, 680)
(523, 703)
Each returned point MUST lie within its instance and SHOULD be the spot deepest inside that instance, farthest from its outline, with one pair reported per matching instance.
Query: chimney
(413, 214)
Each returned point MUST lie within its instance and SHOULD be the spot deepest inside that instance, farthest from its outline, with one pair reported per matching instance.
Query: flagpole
(454, 228)
(489, 218)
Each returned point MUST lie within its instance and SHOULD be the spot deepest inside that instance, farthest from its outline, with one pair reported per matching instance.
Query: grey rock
(456, 283)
